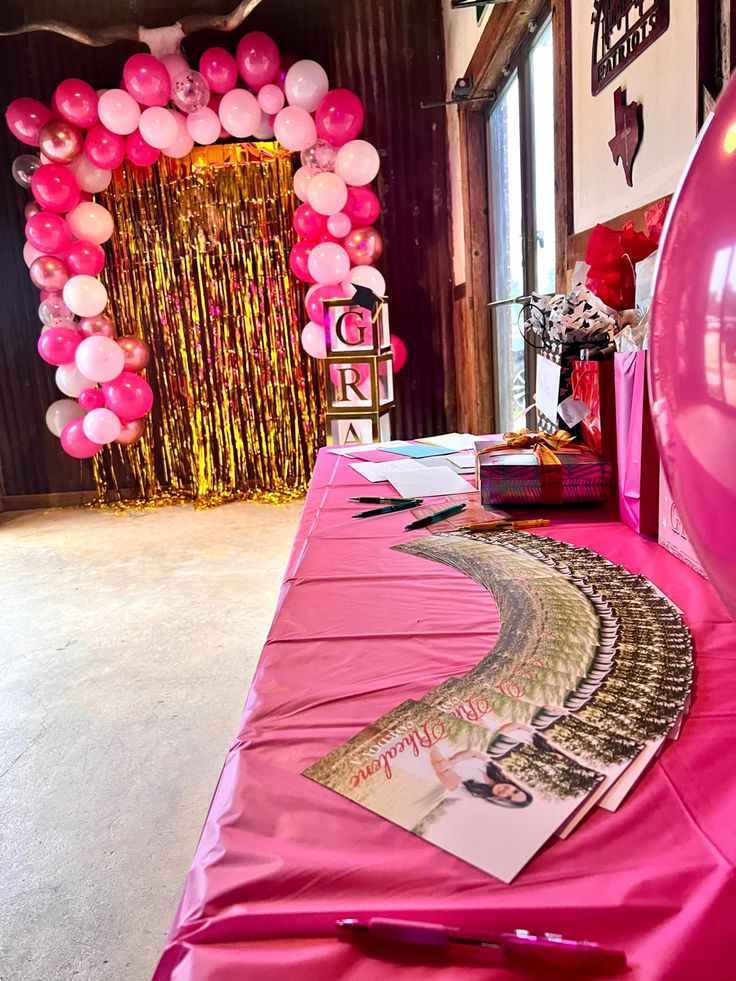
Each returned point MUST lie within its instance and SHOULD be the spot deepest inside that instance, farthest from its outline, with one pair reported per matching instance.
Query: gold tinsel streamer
(198, 266)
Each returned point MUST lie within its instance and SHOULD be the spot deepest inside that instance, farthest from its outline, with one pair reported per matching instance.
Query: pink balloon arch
(166, 107)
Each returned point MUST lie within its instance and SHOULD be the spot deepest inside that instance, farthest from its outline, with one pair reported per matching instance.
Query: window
(522, 217)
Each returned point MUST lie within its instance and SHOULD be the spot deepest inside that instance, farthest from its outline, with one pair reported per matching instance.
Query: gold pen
(507, 525)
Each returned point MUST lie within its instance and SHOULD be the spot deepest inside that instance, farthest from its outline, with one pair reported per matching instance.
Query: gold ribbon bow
(543, 444)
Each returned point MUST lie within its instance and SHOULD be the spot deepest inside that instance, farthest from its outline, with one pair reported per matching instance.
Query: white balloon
(101, 425)
(71, 381)
(364, 276)
(158, 127)
(90, 178)
(306, 85)
(91, 222)
(339, 224)
(264, 130)
(301, 181)
(85, 296)
(100, 358)
(327, 193)
(357, 162)
(61, 412)
(184, 143)
(204, 126)
(118, 111)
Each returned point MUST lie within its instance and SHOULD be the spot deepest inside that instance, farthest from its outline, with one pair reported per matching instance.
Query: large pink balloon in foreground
(693, 349)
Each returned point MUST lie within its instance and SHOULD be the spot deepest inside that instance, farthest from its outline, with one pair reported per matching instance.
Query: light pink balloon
(239, 112)
(294, 128)
(258, 59)
(219, 69)
(85, 296)
(328, 263)
(204, 126)
(313, 340)
(101, 426)
(118, 111)
(183, 143)
(327, 193)
(75, 443)
(147, 80)
(99, 358)
(158, 127)
(339, 224)
(301, 183)
(90, 177)
(271, 99)
(357, 162)
(174, 64)
(91, 222)
(264, 130)
(306, 85)
(30, 254)
(364, 276)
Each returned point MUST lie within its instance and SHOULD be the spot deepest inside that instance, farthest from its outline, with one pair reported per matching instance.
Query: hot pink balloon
(339, 225)
(313, 340)
(299, 259)
(239, 112)
(57, 345)
(307, 222)
(219, 69)
(271, 99)
(48, 232)
(258, 59)
(147, 80)
(104, 149)
(100, 324)
(314, 301)
(129, 396)
(362, 206)
(328, 263)
(76, 101)
(55, 187)
(294, 128)
(84, 259)
(139, 152)
(339, 117)
(398, 349)
(49, 273)
(204, 126)
(25, 117)
(91, 398)
(75, 443)
(118, 111)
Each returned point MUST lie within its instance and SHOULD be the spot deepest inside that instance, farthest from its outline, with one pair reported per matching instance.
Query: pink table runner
(358, 629)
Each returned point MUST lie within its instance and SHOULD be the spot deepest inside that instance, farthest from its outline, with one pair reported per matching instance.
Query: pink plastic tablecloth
(358, 629)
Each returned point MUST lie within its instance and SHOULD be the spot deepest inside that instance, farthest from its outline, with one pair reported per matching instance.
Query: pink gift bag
(638, 457)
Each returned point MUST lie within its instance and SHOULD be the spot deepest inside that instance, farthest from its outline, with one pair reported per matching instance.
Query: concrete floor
(127, 644)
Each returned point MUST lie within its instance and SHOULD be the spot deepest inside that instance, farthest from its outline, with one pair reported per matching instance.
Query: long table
(358, 629)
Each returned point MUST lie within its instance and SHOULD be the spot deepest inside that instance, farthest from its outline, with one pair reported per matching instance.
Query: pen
(387, 500)
(403, 506)
(437, 516)
(506, 524)
(548, 948)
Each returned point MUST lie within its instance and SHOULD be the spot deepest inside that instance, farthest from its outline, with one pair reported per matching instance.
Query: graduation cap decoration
(365, 298)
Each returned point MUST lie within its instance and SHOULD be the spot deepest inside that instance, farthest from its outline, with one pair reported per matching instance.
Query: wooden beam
(561, 56)
(503, 35)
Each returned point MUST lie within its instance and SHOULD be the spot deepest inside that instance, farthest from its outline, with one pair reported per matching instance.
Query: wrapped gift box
(516, 476)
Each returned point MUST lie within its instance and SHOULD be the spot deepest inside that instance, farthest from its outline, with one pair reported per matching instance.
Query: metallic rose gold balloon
(31, 209)
(363, 245)
(136, 351)
(49, 273)
(131, 432)
(101, 324)
(60, 141)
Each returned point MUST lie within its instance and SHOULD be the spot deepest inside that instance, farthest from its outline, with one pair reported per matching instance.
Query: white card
(548, 387)
(380, 471)
(364, 447)
(572, 411)
(452, 441)
(429, 482)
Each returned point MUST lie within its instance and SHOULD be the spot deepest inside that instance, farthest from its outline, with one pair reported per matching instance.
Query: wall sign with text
(622, 30)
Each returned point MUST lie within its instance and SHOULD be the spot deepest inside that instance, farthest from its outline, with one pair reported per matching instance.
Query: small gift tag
(572, 411)
(548, 386)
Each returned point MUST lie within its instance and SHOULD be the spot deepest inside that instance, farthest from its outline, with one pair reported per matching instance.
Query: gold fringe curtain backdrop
(198, 266)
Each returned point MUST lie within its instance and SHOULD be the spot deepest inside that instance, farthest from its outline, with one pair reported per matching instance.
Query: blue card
(419, 450)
